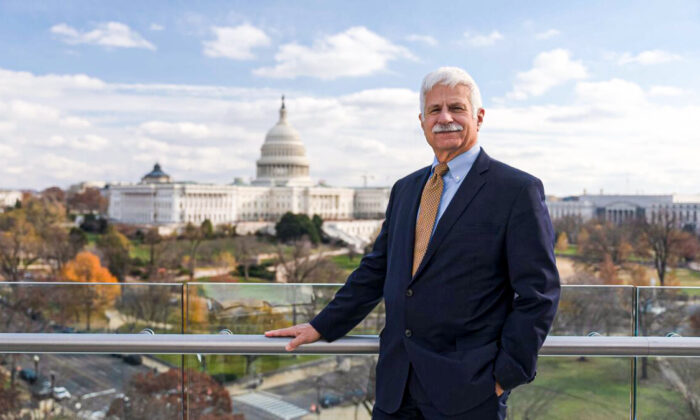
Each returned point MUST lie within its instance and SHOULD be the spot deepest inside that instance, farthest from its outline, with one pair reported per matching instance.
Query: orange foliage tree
(86, 267)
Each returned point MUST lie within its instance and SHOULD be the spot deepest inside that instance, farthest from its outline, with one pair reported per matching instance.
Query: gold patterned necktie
(429, 203)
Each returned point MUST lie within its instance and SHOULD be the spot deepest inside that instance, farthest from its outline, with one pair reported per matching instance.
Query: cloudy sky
(592, 95)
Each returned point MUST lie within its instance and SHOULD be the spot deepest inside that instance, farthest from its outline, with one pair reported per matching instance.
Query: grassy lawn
(218, 364)
(594, 389)
(570, 251)
(687, 277)
(345, 263)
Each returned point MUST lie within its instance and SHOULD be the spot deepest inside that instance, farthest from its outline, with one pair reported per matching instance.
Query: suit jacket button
(408, 333)
(409, 292)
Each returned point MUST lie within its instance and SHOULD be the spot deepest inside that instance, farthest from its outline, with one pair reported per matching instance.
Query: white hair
(450, 76)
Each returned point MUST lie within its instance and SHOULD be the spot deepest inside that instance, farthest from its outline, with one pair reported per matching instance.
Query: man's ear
(480, 117)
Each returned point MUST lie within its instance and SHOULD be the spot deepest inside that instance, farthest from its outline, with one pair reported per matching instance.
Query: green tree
(318, 224)
(115, 250)
(293, 227)
(207, 229)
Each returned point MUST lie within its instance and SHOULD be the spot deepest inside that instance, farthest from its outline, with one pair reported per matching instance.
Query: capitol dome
(283, 160)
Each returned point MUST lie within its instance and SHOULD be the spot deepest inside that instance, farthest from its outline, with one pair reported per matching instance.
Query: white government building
(282, 184)
(683, 209)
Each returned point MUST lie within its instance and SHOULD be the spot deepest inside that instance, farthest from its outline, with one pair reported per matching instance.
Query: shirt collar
(460, 164)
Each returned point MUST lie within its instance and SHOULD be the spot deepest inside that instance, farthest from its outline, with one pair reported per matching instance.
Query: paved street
(92, 380)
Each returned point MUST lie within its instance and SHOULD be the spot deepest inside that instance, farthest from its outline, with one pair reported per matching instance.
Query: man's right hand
(302, 333)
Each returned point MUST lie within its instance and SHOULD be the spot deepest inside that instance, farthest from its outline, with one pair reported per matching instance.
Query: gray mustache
(453, 126)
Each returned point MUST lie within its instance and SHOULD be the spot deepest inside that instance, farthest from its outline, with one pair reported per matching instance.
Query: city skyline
(579, 98)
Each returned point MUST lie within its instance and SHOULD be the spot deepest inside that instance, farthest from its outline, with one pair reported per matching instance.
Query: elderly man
(465, 263)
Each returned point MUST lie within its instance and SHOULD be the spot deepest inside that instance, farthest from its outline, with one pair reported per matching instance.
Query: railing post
(633, 362)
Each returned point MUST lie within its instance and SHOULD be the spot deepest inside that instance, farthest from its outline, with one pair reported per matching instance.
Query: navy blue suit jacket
(482, 301)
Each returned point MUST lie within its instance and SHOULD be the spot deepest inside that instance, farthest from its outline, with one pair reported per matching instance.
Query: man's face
(446, 110)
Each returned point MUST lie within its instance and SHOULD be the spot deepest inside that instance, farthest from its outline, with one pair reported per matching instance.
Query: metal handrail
(362, 344)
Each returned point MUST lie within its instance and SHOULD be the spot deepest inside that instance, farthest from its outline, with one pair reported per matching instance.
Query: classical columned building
(683, 210)
(282, 184)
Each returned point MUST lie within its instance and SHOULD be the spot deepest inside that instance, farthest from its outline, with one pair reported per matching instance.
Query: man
(465, 264)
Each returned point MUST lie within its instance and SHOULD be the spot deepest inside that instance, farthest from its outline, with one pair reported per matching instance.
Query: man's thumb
(296, 342)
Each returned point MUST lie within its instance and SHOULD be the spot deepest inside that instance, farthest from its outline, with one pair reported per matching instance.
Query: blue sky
(586, 95)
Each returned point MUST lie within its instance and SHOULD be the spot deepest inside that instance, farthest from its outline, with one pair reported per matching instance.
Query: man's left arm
(534, 278)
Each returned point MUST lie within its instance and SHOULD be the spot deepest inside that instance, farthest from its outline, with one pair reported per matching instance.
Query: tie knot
(441, 169)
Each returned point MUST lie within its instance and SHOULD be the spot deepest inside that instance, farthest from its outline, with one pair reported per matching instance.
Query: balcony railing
(352, 345)
(208, 355)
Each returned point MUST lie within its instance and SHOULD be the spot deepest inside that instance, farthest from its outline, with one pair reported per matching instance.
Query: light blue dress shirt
(459, 168)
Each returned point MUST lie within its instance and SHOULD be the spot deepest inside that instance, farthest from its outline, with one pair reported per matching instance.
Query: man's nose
(445, 116)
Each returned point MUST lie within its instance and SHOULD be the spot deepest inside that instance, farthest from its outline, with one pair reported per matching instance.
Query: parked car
(60, 393)
(42, 389)
(330, 400)
(133, 359)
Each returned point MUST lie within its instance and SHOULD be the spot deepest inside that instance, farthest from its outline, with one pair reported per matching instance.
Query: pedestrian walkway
(271, 404)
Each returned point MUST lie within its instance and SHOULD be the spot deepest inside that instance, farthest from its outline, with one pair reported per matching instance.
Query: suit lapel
(476, 178)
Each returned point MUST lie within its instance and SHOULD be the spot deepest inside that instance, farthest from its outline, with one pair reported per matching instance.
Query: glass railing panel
(606, 310)
(583, 387)
(668, 387)
(255, 308)
(573, 388)
(278, 387)
(68, 386)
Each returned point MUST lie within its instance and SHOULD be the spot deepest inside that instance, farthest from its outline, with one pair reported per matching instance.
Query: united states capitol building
(282, 184)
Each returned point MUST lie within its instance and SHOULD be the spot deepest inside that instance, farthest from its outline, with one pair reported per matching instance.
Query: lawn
(572, 250)
(595, 389)
(219, 364)
(345, 263)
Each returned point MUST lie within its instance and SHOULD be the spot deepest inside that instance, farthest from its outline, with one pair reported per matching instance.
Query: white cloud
(236, 42)
(156, 27)
(108, 34)
(648, 57)
(355, 52)
(214, 133)
(425, 39)
(550, 69)
(88, 142)
(480, 40)
(166, 129)
(550, 33)
(666, 91)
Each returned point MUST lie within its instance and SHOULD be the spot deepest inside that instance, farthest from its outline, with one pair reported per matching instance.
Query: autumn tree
(115, 249)
(55, 194)
(607, 271)
(224, 261)
(663, 242)
(562, 243)
(156, 396)
(598, 239)
(570, 225)
(19, 244)
(86, 268)
(90, 200)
